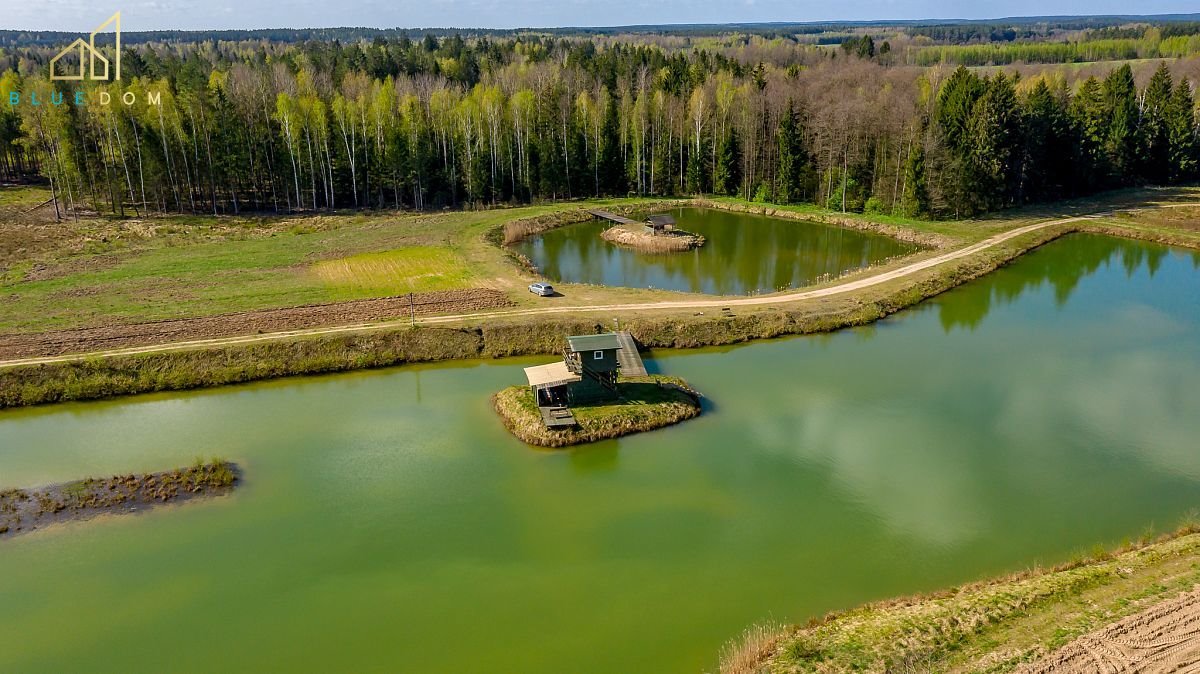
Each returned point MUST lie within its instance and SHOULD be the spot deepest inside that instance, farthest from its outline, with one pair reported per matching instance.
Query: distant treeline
(1150, 44)
(942, 32)
(456, 122)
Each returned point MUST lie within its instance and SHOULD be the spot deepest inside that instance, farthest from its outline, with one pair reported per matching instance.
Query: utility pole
(412, 310)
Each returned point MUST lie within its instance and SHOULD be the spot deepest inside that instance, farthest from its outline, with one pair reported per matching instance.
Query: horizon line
(1169, 16)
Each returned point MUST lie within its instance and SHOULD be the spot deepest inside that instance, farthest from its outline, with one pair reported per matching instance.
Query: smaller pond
(745, 254)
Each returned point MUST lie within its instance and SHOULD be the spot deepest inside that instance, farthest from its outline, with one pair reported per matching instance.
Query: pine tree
(1181, 133)
(612, 169)
(1123, 145)
(953, 117)
(1155, 129)
(1047, 145)
(759, 75)
(955, 103)
(695, 173)
(915, 200)
(793, 157)
(727, 174)
(994, 133)
(1090, 128)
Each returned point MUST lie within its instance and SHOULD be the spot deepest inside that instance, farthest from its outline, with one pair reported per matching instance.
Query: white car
(543, 289)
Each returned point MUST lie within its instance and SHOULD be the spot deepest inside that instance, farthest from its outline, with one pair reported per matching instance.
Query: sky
(83, 15)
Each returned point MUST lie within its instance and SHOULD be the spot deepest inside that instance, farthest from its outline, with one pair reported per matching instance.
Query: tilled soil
(87, 340)
(1163, 638)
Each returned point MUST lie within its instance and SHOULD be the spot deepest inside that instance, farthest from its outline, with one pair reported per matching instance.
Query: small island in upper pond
(23, 510)
(599, 390)
(658, 234)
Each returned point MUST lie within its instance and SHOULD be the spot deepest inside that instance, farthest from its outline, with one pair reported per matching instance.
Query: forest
(453, 121)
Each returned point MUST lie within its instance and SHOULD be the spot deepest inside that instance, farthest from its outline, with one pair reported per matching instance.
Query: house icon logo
(89, 54)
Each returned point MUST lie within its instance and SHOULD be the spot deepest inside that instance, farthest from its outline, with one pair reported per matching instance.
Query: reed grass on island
(992, 626)
(630, 236)
(647, 403)
(23, 510)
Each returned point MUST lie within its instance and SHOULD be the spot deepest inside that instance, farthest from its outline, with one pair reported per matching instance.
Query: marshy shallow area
(392, 523)
(26, 510)
(743, 253)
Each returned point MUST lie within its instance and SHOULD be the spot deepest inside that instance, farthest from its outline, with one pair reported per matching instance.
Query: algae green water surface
(745, 253)
(387, 523)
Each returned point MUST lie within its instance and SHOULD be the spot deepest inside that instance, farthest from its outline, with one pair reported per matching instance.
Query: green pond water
(387, 522)
(744, 254)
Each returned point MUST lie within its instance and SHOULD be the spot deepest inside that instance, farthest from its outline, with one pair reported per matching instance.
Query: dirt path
(1162, 639)
(716, 302)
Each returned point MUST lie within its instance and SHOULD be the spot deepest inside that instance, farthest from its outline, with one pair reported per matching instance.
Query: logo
(89, 53)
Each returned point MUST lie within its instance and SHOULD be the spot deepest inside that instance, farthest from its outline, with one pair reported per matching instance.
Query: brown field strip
(250, 322)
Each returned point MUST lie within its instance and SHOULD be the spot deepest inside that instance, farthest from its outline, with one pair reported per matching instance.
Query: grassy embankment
(515, 335)
(647, 403)
(991, 626)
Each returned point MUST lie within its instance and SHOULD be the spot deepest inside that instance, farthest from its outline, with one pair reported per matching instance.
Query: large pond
(388, 523)
(744, 254)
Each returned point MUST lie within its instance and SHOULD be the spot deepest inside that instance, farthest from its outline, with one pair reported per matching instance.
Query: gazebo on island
(655, 234)
(660, 224)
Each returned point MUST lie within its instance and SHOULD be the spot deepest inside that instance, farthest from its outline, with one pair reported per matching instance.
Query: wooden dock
(557, 417)
(611, 217)
(628, 357)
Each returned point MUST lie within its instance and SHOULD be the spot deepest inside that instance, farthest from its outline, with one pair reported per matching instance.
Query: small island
(599, 390)
(658, 234)
(23, 510)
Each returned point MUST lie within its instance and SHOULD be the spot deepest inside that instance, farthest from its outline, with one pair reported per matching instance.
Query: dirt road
(1162, 639)
(716, 302)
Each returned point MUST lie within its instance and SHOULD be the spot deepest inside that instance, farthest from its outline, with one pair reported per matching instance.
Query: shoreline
(258, 357)
(1032, 619)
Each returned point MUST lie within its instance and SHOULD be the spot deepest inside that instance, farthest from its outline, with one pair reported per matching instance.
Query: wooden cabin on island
(587, 373)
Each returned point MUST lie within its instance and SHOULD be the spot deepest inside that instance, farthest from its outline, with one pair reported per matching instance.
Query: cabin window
(597, 355)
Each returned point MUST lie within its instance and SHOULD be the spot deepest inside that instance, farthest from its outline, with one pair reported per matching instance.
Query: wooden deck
(628, 357)
(557, 417)
(612, 217)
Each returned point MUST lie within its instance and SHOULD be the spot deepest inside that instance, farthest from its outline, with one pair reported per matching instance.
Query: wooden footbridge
(611, 217)
(628, 357)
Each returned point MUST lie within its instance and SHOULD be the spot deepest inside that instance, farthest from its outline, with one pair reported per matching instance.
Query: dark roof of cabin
(661, 219)
(584, 343)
